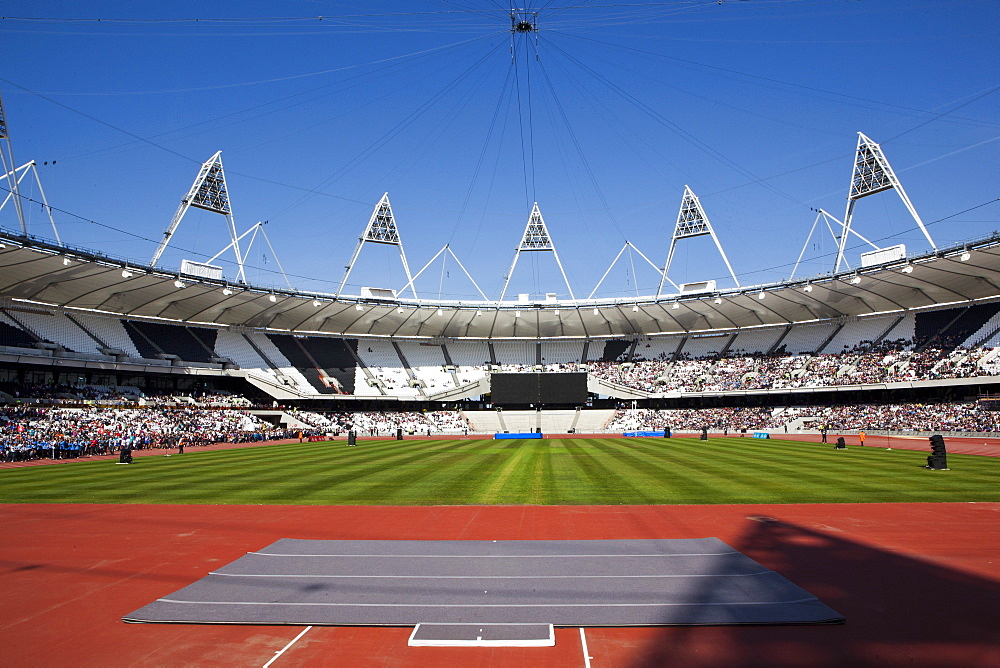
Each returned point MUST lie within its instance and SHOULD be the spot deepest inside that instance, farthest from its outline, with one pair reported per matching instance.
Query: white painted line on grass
(294, 640)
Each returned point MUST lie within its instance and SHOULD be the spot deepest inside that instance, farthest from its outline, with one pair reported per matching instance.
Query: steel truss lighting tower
(381, 229)
(826, 217)
(7, 158)
(258, 228)
(872, 174)
(19, 175)
(535, 238)
(446, 247)
(692, 222)
(208, 192)
(629, 246)
(15, 175)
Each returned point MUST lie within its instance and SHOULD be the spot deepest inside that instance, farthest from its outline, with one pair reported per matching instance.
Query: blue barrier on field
(643, 433)
(761, 434)
(528, 435)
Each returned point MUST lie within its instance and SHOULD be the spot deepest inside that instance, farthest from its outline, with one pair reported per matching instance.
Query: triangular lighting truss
(381, 229)
(872, 174)
(15, 175)
(692, 222)
(535, 238)
(208, 192)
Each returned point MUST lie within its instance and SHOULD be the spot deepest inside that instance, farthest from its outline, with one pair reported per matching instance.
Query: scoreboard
(539, 388)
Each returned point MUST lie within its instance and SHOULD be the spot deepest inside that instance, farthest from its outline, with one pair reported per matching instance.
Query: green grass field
(548, 471)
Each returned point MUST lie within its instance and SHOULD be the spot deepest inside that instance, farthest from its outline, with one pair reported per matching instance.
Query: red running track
(918, 583)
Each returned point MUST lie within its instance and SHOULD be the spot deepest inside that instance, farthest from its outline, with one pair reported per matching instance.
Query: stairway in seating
(576, 420)
(409, 370)
(503, 425)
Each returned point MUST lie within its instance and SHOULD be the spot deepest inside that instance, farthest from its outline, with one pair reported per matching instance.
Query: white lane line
(294, 640)
(494, 556)
(586, 652)
(490, 577)
(487, 605)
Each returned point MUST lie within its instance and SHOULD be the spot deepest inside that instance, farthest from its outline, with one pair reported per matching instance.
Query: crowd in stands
(726, 420)
(941, 416)
(38, 432)
(368, 423)
(887, 362)
(931, 416)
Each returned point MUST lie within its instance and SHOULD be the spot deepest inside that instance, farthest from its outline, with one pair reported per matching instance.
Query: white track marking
(583, 643)
(294, 640)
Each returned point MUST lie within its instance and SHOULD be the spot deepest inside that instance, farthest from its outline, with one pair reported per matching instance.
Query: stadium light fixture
(965, 256)
(126, 273)
(597, 312)
(675, 306)
(761, 295)
(855, 280)
(440, 311)
(635, 308)
(66, 262)
(227, 292)
(359, 307)
(718, 300)
(517, 314)
(179, 284)
(399, 310)
(273, 298)
(317, 303)
(908, 269)
(808, 288)
(478, 313)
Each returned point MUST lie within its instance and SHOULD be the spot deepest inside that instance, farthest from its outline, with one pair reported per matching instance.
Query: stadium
(362, 416)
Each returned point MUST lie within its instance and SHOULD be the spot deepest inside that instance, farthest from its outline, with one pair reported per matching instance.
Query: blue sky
(602, 117)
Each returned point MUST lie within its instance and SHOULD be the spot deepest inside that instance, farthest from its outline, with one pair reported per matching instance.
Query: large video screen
(539, 388)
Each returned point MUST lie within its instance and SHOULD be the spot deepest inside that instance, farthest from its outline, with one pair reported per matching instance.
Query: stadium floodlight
(873, 174)
(66, 262)
(517, 314)
(381, 229)
(317, 303)
(126, 273)
(635, 308)
(359, 307)
(536, 238)
(718, 300)
(179, 284)
(273, 298)
(399, 310)
(478, 313)
(762, 295)
(597, 312)
(908, 269)
(440, 311)
(855, 280)
(227, 292)
(209, 193)
(676, 306)
(808, 288)
(964, 257)
(692, 221)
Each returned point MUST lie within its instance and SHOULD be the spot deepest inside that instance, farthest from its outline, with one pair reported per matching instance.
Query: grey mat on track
(565, 583)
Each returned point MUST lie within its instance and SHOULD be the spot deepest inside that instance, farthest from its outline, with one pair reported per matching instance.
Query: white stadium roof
(54, 276)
